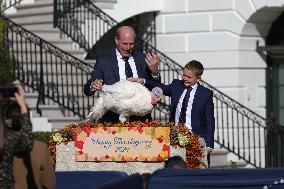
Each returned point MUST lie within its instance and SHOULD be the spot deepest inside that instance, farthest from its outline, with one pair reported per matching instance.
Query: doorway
(275, 71)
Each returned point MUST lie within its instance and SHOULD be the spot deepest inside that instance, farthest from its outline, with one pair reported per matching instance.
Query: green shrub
(6, 62)
(233, 164)
(42, 136)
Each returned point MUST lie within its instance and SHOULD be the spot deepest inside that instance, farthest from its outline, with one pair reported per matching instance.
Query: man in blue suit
(120, 64)
(191, 103)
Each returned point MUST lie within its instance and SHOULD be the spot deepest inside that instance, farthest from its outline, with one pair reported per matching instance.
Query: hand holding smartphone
(17, 94)
(8, 91)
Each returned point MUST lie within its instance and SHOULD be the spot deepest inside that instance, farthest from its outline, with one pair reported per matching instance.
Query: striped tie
(128, 70)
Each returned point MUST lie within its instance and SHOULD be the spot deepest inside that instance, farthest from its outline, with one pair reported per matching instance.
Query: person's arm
(167, 91)
(21, 140)
(95, 76)
(210, 122)
(152, 84)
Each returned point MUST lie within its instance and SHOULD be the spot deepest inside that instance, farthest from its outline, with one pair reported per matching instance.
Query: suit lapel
(138, 65)
(196, 99)
(179, 93)
(114, 65)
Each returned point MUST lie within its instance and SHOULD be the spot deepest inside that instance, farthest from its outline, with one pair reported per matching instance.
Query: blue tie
(128, 70)
(182, 115)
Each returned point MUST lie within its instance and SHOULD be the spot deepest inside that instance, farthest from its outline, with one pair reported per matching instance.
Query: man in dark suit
(120, 64)
(191, 103)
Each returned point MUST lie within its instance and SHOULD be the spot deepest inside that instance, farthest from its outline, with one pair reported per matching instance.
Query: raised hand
(19, 97)
(153, 61)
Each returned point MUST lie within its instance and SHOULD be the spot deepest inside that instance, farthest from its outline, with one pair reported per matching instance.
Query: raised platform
(65, 161)
(86, 136)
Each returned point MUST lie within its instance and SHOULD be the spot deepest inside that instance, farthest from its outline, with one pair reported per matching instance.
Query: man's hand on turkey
(96, 85)
(138, 80)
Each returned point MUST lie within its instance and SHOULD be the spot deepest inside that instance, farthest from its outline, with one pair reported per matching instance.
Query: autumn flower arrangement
(180, 136)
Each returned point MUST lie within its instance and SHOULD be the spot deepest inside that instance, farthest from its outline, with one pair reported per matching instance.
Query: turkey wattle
(125, 98)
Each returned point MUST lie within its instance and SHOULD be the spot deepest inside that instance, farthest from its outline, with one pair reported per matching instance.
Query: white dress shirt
(121, 66)
(189, 107)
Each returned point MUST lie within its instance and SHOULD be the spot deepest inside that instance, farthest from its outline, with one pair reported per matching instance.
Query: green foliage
(233, 164)
(42, 136)
(6, 62)
(6, 71)
(2, 29)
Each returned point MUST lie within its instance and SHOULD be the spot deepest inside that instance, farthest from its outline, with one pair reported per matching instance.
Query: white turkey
(125, 98)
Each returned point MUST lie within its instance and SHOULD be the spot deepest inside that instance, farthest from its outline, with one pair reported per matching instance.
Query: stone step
(227, 164)
(44, 0)
(41, 124)
(31, 98)
(54, 78)
(45, 29)
(80, 99)
(58, 123)
(48, 111)
(49, 34)
(221, 158)
(51, 63)
(32, 19)
(31, 54)
(38, 26)
(105, 4)
(60, 43)
(90, 62)
(218, 156)
(52, 113)
(34, 8)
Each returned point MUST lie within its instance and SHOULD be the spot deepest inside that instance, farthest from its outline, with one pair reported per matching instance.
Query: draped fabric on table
(217, 178)
(133, 181)
(86, 179)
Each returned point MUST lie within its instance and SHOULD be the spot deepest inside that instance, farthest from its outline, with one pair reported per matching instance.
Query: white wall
(222, 34)
(125, 9)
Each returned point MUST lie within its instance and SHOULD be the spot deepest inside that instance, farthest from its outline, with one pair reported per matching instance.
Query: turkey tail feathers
(97, 110)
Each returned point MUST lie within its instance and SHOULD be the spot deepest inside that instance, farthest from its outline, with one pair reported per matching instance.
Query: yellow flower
(164, 154)
(57, 138)
(182, 140)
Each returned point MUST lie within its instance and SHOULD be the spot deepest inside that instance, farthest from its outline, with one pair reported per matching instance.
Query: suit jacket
(202, 113)
(106, 68)
(34, 169)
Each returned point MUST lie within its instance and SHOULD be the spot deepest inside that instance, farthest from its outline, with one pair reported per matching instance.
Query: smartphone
(8, 91)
